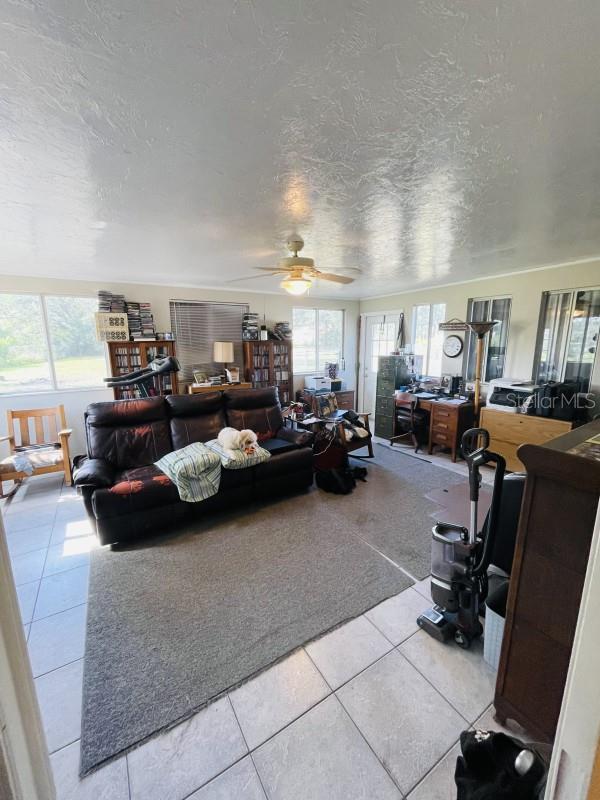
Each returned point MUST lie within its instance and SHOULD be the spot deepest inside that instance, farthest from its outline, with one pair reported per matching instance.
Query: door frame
(23, 750)
(362, 338)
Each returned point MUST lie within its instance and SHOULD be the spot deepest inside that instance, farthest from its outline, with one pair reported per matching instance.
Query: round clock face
(453, 346)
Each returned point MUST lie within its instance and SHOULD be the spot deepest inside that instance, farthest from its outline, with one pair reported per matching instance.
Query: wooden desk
(508, 431)
(449, 420)
(221, 388)
(552, 550)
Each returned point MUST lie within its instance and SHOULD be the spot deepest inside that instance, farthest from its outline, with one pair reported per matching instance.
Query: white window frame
(565, 344)
(55, 388)
(413, 328)
(489, 299)
(317, 349)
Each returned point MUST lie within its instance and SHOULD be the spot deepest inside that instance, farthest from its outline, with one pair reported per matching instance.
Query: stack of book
(282, 330)
(134, 320)
(147, 321)
(107, 301)
(250, 327)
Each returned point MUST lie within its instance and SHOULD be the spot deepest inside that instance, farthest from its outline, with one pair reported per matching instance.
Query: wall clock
(453, 346)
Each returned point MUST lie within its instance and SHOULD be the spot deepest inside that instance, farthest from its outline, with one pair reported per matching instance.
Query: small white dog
(232, 440)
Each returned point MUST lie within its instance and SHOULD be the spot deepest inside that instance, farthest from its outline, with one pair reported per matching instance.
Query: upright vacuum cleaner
(461, 556)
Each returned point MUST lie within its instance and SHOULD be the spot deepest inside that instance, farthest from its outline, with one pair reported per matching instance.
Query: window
(428, 340)
(197, 326)
(486, 309)
(567, 336)
(47, 343)
(318, 338)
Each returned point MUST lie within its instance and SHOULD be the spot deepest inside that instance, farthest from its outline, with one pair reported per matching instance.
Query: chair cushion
(38, 457)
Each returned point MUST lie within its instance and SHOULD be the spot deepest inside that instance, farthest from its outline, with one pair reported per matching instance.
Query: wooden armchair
(38, 436)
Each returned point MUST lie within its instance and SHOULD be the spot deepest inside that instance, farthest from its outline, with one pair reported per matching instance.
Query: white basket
(492, 639)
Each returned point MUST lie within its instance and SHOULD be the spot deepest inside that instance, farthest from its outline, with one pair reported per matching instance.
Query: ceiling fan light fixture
(296, 286)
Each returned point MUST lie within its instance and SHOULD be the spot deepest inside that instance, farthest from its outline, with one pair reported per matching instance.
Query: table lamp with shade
(223, 354)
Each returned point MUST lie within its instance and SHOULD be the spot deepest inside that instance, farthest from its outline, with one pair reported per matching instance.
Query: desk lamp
(223, 353)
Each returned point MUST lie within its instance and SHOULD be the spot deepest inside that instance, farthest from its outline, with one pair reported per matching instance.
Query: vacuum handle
(442, 528)
(475, 455)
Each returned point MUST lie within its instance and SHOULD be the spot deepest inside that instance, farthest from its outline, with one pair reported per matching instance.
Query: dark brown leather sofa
(127, 497)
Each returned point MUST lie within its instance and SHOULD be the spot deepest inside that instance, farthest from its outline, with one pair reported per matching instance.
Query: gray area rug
(179, 619)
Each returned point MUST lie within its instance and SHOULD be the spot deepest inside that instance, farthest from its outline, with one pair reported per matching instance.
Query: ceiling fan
(299, 272)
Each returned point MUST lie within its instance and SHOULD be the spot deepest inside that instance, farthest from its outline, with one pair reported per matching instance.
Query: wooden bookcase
(127, 357)
(269, 363)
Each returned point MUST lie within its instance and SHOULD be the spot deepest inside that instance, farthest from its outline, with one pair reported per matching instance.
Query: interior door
(380, 333)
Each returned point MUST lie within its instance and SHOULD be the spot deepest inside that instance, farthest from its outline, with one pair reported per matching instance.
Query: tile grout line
(364, 738)
(452, 706)
(37, 596)
(55, 669)
(56, 613)
(260, 780)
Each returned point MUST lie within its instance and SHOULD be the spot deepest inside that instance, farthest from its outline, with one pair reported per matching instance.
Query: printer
(509, 394)
(319, 383)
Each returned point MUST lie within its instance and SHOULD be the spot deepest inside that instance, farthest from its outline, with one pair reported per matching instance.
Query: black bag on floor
(336, 481)
(487, 771)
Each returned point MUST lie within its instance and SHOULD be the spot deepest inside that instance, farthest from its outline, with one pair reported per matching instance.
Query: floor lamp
(480, 329)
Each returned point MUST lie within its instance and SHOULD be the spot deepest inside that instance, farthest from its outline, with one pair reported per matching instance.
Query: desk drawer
(448, 426)
(442, 437)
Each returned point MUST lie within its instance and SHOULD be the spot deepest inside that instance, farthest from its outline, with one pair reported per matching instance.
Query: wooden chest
(508, 431)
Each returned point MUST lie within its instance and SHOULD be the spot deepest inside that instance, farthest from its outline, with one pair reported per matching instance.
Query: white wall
(274, 307)
(525, 288)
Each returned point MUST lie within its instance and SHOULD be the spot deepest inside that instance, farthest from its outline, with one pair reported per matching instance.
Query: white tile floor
(372, 710)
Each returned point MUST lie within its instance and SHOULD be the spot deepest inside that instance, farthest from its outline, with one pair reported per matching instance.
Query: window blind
(197, 325)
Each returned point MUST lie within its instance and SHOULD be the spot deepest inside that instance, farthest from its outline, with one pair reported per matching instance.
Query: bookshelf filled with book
(269, 363)
(127, 357)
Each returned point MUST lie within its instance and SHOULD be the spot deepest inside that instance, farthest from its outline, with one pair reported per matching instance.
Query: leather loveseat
(127, 497)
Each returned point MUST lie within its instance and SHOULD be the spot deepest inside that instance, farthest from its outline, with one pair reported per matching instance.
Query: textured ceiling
(423, 141)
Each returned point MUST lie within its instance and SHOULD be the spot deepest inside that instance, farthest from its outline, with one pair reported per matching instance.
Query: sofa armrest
(300, 438)
(95, 472)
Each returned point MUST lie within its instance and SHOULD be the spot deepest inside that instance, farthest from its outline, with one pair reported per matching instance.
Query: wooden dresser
(553, 543)
(449, 420)
(508, 431)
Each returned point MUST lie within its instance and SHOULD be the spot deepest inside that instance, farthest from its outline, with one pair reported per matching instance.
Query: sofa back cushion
(195, 417)
(128, 433)
(257, 409)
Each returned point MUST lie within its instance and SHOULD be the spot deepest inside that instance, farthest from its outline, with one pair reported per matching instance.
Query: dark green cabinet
(393, 372)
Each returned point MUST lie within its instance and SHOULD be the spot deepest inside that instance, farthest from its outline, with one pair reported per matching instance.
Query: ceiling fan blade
(329, 276)
(247, 278)
(273, 270)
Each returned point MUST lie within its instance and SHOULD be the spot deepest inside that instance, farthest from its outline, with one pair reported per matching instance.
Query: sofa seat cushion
(134, 490)
(284, 463)
(278, 445)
